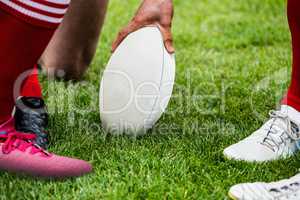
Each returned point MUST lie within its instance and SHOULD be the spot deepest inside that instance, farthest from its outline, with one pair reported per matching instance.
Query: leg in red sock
(26, 29)
(21, 46)
(279, 137)
(293, 95)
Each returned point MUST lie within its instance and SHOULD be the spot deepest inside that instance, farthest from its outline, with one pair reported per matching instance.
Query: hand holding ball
(137, 83)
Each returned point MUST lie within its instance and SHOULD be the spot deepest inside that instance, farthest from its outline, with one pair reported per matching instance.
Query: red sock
(292, 97)
(31, 87)
(26, 29)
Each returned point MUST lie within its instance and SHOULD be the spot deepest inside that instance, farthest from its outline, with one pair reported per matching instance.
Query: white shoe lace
(280, 130)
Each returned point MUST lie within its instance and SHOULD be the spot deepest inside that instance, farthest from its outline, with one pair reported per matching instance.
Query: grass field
(233, 66)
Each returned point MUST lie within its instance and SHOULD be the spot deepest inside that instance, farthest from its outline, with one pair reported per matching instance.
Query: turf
(233, 66)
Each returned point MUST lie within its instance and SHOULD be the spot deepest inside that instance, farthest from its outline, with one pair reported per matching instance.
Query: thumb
(121, 36)
(168, 39)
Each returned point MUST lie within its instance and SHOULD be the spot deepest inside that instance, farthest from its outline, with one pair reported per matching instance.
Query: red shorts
(46, 13)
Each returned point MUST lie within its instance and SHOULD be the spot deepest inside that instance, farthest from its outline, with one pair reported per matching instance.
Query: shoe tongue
(292, 113)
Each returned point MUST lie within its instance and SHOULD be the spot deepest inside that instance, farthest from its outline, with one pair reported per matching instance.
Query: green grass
(233, 66)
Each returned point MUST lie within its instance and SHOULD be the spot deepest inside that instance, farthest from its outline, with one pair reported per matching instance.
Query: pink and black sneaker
(19, 153)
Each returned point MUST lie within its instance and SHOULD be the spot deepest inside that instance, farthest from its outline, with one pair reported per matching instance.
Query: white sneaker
(278, 138)
(288, 189)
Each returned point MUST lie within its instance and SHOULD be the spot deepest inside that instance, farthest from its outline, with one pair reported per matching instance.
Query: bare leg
(74, 44)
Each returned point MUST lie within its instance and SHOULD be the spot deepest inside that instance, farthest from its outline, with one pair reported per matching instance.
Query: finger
(168, 39)
(133, 26)
(121, 36)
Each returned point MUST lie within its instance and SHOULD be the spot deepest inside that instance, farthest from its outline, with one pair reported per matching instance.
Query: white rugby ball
(137, 83)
